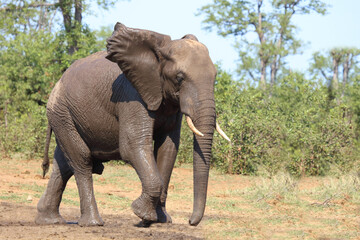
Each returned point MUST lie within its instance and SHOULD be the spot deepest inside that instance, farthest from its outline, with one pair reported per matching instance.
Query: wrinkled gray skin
(99, 113)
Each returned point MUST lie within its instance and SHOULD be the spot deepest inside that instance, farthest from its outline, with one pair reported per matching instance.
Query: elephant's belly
(106, 155)
(101, 134)
(104, 145)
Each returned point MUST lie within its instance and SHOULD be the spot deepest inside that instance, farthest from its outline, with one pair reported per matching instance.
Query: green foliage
(26, 130)
(101, 35)
(317, 135)
(251, 123)
(32, 77)
(185, 154)
(322, 65)
(296, 129)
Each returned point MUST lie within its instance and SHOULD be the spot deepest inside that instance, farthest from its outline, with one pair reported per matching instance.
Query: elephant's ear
(137, 54)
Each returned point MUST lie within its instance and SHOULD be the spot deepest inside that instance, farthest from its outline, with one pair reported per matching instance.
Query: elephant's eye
(180, 77)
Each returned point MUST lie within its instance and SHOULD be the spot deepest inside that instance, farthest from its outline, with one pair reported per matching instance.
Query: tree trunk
(65, 10)
(274, 69)
(335, 80)
(69, 24)
(6, 118)
(334, 84)
(263, 73)
(78, 22)
(346, 69)
(78, 11)
(263, 58)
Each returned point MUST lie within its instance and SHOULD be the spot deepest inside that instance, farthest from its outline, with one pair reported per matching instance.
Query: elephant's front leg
(136, 145)
(166, 148)
(145, 166)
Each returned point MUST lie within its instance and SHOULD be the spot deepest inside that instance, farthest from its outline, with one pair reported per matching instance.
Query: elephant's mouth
(197, 132)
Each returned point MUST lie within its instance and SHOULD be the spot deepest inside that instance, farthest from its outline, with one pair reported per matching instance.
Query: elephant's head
(176, 71)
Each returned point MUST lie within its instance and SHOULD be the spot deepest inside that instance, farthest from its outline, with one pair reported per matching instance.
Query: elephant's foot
(49, 218)
(144, 207)
(162, 215)
(86, 220)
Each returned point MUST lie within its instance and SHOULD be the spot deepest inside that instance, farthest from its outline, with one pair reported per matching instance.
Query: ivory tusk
(192, 127)
(221, 132)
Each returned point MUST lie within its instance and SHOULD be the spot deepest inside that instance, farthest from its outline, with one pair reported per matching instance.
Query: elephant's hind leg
(48, 206)
(80, 160)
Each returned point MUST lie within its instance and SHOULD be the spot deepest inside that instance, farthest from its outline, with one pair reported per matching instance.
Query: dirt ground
(238, 207)
(17, 222)
(17, 214)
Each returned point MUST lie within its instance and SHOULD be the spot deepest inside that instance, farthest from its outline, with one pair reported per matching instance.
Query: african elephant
(99, 113)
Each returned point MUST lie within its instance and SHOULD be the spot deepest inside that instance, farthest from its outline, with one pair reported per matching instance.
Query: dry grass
(238, 207)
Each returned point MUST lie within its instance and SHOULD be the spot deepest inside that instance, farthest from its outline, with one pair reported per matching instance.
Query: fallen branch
(325, 203)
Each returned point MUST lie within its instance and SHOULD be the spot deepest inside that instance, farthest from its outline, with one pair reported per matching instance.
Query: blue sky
(338, 28)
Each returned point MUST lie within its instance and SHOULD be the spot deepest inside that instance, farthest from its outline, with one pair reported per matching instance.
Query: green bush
(296, 128)
(185, 154)
(25, 132)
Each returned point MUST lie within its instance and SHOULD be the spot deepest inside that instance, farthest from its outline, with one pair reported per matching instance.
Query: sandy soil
(17, 222)
(238, 207)
(17, 215)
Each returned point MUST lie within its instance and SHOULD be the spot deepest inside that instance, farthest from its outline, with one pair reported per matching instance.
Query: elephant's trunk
(205, 122)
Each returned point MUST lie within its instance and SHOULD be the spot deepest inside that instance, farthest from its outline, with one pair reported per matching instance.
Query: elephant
(127, 103)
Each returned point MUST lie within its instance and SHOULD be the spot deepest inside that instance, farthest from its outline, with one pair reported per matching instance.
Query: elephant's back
(93, 69)
(90, 78)
(94, 60)
(87, 79)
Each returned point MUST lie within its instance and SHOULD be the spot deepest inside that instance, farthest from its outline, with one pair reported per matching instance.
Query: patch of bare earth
(21, 186)
(16, 222)
(234, 209)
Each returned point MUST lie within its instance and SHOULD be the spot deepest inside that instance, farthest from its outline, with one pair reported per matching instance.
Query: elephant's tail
(45, 164)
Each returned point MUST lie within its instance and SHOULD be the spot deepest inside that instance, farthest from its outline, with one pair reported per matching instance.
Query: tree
(349, 62)
(72, 12)
(25, 16)
(336, 56)
(328, 65)
(36, 15)
(272, 27)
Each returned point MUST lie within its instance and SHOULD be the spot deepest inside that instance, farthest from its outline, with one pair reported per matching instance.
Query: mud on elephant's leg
(48, 206)
(136, 146)
(89, 213)
(165, 172)
(145, 205)
(166, 148)
(162, 215)
(80, 160)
